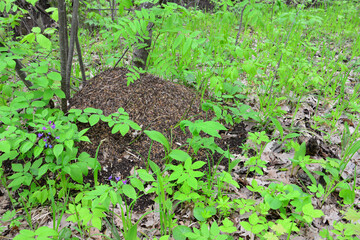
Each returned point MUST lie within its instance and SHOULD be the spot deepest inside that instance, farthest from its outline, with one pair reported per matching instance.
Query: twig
(78, 49)
(241, 18)
(127, 49)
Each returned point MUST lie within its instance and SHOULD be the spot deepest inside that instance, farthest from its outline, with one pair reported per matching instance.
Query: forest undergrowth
(284, 73)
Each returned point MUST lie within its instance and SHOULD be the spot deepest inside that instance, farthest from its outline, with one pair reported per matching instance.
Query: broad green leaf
(274, 203)
(17, 167)
(5, 146)
(197, 164)
(124, 129)
(76, 174)
(158, 137)
(144, 175)
(179, 155)
(59, 93)
(211, 128)
(96, 222)
(348, 195)
(42, 69)
(129, 191)
(43, 41)
(94, 119)
(137, 183)
(179, 232)
(58, 149)
(46, 231)
(37, 151)
(26, 146)
(54, 76)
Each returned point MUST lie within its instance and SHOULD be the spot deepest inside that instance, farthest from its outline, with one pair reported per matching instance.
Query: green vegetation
(280, 60)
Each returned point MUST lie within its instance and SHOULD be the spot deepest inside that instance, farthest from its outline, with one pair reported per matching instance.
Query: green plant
(40, 233)
(344, 230)
(259, 140)
(205, 232)
(10, 216)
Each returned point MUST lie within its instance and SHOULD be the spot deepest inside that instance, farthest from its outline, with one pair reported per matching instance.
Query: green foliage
(281, 54)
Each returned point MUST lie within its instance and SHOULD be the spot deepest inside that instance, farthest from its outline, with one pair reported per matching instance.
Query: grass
(292, 68)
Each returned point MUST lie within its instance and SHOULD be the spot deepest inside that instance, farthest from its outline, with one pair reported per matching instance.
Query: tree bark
(140, 55)
(63, 40)
(73, 36)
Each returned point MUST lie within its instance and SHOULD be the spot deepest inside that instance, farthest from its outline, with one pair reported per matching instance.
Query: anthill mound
(151, 102)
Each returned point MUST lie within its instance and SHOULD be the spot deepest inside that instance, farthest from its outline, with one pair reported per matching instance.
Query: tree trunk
(63, 40)
(140, 55)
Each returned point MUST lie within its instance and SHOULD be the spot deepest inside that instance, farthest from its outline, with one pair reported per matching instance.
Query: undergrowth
(249, 61)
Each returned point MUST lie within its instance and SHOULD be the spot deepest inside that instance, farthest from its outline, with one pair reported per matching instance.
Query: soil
(154, 104)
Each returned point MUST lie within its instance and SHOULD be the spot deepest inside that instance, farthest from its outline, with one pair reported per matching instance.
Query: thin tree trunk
(140, 55)
(63, 40)
(73, 35)
(78, 49)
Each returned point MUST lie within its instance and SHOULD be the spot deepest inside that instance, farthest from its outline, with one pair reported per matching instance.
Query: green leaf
(144, 175)
(60, 93)
(354, 148)
(7, 90)
(43, 41)
(192, 182)
(158, 137)
(187, 45)
(55, 76)
(129, 191)
(5, 146)
(58, 149)
(177, 41)
(17, 167)
(25, 234)
(348, 195)
(42, 170)
(301, 152)
(35, 29)
(278, 126)
(228, 226)
(214, 229)
(179, 155)
(76, 174)
(352, 215)
(38, 104)
(211, 128)
(124, 129)
(17, 182)
(179, 231)
(274, 203)
(37, 151)
(92, 110)
(137, 183)
(42, 69)
(197, 165)
(197, 212)
(133, 125)
(46, 232)
(132, 233)
(96, 222)
(94, 119)
(26, 146)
